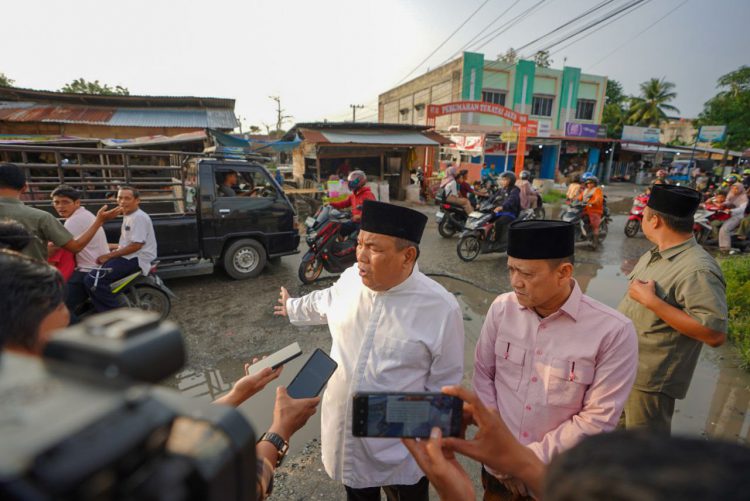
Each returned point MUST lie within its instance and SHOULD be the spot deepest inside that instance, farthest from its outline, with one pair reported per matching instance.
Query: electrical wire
(638, 34)
(507, 26)
(444, 42)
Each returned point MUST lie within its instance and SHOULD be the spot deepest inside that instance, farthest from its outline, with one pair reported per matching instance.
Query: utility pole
(280, 117)
(354, 108)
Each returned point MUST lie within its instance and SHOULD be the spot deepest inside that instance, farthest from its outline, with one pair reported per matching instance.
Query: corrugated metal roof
(58, 114)
(360, 137)
(139, 117)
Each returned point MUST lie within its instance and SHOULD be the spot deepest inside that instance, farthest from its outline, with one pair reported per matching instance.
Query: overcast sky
(321, 56)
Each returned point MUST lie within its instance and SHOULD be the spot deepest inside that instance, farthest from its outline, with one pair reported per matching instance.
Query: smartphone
(405, 415)
(313, 376)
(276, 360)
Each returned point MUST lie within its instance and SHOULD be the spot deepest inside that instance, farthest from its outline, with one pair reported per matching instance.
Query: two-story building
(567, 104)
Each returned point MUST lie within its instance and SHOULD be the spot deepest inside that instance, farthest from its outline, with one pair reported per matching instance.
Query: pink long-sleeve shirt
(557, 379)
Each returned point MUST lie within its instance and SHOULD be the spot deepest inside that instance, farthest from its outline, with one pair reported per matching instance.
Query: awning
(222, 139)
(187, 137)
(396, 138)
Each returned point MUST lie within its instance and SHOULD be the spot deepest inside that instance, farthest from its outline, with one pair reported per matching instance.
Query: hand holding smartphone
(276, 360)
(313, 376)
(405, 415)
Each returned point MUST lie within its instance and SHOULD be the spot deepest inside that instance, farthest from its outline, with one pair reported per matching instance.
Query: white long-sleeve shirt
(409, 338)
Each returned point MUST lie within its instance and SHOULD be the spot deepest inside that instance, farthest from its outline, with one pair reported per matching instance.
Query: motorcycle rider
(529, 197)
(507, 203)
(449, 185)
(746, 179)
(593, 196)
(661, 177)
(736, 202)
(357, 182)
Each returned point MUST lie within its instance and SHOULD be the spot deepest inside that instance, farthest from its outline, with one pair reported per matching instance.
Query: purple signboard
(582, 130)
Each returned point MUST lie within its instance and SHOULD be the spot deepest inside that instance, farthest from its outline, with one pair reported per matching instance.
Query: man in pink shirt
(557, 365)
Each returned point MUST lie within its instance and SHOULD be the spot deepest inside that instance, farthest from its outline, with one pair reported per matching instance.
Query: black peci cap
(541, 239)
(678, 201)
(393, 220)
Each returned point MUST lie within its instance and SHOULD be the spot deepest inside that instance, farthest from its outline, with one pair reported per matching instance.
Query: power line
(467, 44)
(601, 27)
(607, 16)
(444, 42)
(568, 23)
(505, 27)
(638, 34)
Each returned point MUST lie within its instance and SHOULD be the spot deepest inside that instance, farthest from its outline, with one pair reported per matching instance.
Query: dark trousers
(417, 492)
(76, 293)
(494, 490)
(102, 296)
(501, 228)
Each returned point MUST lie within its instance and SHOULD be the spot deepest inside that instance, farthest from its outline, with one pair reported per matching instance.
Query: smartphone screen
(313, 376)
(405, 415)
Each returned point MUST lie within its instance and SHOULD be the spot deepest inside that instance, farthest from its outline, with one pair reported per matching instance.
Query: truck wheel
(244, 259)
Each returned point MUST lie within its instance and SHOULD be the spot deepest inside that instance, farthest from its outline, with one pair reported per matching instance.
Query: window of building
(494, 97)
(420, 110)
(542, 105)
(585, 109)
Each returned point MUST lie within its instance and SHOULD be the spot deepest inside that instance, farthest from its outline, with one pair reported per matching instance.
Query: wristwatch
(281, 445)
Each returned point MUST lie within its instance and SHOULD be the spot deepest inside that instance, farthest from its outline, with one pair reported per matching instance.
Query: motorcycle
(573, 213)
(702, 227)
(144, 292)
(327, 250)
(478, 236)
(633, 226)
(450, 218)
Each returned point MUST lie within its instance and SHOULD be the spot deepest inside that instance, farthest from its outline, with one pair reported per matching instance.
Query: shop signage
(641, 134)
(573, 129)
(544, 129)
(467, 143)
(510, 136)
(712, 133)
(436, 110)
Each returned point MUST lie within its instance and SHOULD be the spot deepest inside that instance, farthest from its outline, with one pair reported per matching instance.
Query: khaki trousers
(648, 410)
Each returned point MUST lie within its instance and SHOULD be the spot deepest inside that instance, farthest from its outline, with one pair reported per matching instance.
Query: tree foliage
(542, 59)
(731, 107)
(510, 56)
(5, 81)
(614, 113)
(650, 108)
(81, 86)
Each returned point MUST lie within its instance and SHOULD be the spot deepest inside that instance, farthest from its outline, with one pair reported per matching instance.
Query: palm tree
(649, 108)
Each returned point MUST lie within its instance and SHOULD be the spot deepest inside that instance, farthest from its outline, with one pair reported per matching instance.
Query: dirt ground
(227, 322)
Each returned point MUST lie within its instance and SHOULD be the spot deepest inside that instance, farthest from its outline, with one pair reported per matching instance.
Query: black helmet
(592, 179)
(510, 176)
(525, 174)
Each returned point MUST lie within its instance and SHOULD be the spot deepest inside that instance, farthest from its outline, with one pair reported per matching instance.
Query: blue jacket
(509, 201)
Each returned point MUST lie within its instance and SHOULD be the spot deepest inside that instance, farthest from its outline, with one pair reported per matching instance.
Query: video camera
(82, 424)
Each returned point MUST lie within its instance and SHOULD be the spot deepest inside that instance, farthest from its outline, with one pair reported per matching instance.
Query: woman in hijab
(449, 185)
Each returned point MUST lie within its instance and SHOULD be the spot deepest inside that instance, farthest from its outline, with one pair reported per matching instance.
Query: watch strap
(281, 445)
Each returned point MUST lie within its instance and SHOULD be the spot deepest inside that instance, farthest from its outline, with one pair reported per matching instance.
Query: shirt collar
(11, 200)
(675, 250)
(571, 305)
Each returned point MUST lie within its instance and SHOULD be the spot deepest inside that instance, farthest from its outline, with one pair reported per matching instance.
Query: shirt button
(543, 326)
(533, 379)
(538, 352)
(525, 434)
(528, 407)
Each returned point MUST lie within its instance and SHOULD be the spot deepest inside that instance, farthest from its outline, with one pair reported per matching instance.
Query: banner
(641, 134)
(712, 133)
(573, 129)
(436, 110)
(467, 143)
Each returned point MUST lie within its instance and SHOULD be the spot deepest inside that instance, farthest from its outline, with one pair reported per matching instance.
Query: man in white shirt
(135, 251)
(393, 329)
(67, 202)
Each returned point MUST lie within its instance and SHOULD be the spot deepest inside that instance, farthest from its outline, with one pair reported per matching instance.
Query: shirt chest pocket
(567, 382)
(509, 362)
(399, 354)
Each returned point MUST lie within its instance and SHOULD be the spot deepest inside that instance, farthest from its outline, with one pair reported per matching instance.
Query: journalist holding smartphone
(393, 329)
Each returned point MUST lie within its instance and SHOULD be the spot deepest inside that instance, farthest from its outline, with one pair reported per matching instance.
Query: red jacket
(355, 201)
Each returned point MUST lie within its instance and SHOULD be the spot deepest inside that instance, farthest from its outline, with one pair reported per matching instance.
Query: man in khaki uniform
(42, 225)
(677, 302)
